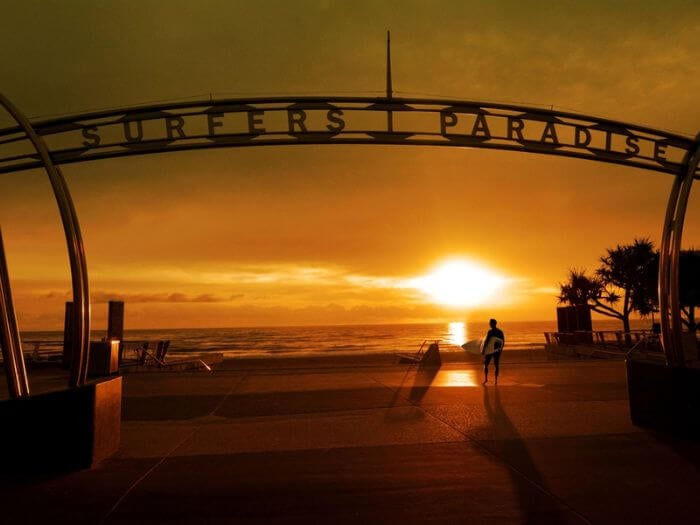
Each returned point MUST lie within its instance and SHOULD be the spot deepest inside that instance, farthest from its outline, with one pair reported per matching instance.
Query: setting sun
(460, 283)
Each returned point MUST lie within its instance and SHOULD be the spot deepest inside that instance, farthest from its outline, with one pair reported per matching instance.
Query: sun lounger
(157, 354)
(161, 350)
(144, 352)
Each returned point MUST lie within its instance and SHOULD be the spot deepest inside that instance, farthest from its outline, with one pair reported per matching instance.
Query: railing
(605, 344)
(618, 344)
(131, 352)
(42, 350)
(604, 338)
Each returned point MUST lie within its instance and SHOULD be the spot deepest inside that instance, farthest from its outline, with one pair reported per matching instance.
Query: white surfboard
(494, 344)
(473, 346)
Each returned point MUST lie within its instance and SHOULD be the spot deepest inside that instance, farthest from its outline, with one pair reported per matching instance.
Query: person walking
(492, 348)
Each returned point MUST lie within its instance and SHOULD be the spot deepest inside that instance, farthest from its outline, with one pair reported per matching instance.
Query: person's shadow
(536, 501)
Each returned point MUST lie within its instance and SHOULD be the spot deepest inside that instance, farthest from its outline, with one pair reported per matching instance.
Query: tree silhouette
(630, 269)
(622, 284)
(627, 282)
(690, 287)
(581, 289)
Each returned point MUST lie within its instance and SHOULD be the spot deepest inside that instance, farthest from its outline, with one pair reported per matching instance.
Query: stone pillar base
(664, 398)
(60, 431)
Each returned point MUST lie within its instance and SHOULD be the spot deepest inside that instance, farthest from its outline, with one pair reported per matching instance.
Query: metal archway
(250, 122)
(17, 380)
(669, 257)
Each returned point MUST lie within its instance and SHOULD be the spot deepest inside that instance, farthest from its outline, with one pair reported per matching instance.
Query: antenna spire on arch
(389, 92)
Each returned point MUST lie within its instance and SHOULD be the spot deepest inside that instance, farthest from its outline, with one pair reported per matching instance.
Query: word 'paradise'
(538, 130)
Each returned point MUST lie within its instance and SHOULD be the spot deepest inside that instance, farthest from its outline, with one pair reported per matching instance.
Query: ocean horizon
(289, 341)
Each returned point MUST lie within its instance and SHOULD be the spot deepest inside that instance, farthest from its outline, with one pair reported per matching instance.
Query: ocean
(337, 340)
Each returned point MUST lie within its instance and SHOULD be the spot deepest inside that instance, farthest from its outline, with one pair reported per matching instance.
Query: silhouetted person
(492, 348)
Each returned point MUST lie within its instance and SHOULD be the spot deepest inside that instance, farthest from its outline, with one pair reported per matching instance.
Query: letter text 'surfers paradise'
(348, 120)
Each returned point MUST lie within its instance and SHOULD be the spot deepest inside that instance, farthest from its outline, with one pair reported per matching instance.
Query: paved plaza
(348, 441)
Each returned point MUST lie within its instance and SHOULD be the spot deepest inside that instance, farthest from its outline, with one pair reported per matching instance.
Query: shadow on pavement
(422, 381)
(425, 375)
(525, 476)
(685, 447)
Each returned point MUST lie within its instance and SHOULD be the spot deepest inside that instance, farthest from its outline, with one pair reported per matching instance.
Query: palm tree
(689, 287)
(629, 269)
(624, 283)
(583, 290)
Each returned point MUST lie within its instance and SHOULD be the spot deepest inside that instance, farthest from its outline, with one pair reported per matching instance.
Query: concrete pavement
(346, 440)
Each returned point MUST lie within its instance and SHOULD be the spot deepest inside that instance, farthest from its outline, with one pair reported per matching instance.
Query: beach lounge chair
(161, 350)
(150, 353)
(431, 357)
(142, 354)
(157, 355)
(146, 352)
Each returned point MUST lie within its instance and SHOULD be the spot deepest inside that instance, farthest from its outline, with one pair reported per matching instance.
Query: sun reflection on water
(456, 333)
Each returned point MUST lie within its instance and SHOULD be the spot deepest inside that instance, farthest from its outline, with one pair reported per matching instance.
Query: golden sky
(333, 234)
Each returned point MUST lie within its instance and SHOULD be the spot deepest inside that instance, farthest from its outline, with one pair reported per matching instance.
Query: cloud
(175, 297)
(99, 296)
(296, 285)
(268, 294)
(65, 296)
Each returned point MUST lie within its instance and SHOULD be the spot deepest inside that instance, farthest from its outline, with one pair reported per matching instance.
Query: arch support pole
(17, 383)
(669, 259)
(76, 251)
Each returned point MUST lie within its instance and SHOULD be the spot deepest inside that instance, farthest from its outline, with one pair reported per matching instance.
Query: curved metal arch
(76, 251)
(13, 360)
(448, 114)
(669, 258)
(664, 282)
(458, 123)
(379, 103)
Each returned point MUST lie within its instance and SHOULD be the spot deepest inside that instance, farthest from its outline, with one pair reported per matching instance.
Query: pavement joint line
(321, 413)
(231, 390)
(491, 453)
(331, 412)
(144, 476)
(169, 454)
